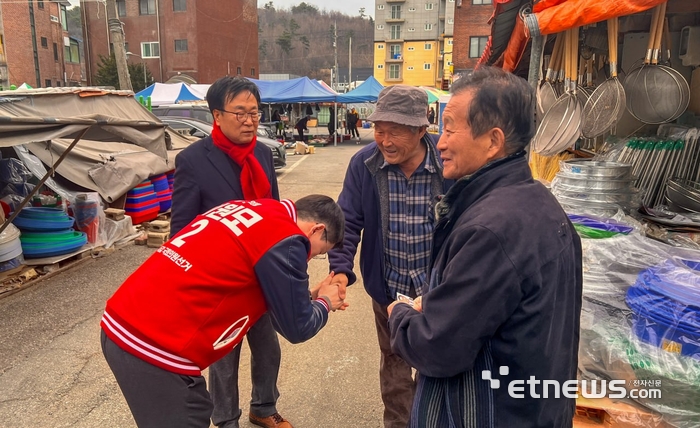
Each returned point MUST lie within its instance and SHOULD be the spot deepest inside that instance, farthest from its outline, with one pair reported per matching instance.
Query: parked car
(201, 129)
(201, 112)
(193, 111)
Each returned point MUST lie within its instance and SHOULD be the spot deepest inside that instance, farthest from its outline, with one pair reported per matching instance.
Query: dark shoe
(272, 421)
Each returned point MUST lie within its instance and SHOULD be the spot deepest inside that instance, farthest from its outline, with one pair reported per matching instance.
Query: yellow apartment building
(413, 42)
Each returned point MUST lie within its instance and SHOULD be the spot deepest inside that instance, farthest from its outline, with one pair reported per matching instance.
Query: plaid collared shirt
(411, 222)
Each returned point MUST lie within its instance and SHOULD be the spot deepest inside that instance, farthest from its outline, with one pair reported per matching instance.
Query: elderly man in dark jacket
(504, 298)
(388, 199)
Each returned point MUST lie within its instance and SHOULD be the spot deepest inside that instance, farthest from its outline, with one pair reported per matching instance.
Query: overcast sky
(349, 7)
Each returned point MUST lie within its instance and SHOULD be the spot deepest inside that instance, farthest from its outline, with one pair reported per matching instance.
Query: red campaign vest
(197, 296)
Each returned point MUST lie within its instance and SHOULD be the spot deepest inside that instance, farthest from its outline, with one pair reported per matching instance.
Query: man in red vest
(195, 298)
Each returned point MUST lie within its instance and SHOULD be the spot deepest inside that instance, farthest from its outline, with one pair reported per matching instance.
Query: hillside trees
(300, 40)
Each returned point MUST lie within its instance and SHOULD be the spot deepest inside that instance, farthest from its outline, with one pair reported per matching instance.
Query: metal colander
(607, 103)
(655, 93)
(546, 95)
(561, 125)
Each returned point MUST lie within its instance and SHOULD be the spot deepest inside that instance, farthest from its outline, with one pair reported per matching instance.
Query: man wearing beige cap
(388, 197)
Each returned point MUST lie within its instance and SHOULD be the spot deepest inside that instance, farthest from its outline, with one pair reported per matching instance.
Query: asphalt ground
(53, 374)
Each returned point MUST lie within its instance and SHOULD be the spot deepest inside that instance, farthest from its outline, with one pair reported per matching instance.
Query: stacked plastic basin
(142, 203)
(171, 178)
(665, 304)
(163, 191)
(47, 232)
(10, 248)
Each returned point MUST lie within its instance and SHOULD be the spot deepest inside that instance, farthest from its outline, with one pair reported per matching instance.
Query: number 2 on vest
(198, 227)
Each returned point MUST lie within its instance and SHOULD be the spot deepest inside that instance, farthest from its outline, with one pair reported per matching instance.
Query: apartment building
(35, 47)
(193, 41)
(472, 31)
(413, 42)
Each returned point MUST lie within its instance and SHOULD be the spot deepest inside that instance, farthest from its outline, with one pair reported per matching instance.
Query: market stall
(73, 148)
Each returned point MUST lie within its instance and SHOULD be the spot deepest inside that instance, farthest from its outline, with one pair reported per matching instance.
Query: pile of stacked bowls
(665, 304)
(163, 192)
(10, 248)
(171, 178)
(142, 203)
(47, 232)
(683, 195)
(597, 188)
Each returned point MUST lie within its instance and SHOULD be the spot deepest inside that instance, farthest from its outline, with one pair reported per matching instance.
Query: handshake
(332, 288)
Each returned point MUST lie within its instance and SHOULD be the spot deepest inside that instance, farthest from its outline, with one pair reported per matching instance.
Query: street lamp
(143, 65)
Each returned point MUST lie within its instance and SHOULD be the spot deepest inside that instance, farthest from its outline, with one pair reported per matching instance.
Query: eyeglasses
(242, 117)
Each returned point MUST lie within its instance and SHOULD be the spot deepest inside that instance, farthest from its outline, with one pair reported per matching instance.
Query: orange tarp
(516, 46)
(555, 16)
(563, 15)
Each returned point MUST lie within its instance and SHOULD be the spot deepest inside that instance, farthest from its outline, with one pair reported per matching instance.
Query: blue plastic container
(160, 182)
(665, 304)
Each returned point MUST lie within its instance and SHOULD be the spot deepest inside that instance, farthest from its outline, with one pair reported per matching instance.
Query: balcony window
(395, 51)
(394, 71)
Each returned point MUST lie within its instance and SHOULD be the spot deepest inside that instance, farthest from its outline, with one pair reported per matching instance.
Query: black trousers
(158, 398)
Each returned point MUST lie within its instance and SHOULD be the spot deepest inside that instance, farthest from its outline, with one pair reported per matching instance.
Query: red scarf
(254, 181)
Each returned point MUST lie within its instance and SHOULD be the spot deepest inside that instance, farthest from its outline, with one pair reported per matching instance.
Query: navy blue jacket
(367, 214)
(505, 290)
(206, 177)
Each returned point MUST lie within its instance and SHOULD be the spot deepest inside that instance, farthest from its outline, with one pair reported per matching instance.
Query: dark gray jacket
(505, 290)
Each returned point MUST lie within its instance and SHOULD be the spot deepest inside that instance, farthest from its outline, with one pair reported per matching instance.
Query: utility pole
(117, 36)
(349, 61)
(337, 79)
(335, 56)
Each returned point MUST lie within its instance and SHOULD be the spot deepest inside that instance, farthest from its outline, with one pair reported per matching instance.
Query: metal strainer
(561, 125)
(546, 95)
(607, 102)
(656, 94)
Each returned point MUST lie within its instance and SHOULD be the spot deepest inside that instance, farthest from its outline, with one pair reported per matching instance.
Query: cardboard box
(300, 148)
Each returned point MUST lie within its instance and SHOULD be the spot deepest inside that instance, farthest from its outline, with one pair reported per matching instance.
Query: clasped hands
(333, 287)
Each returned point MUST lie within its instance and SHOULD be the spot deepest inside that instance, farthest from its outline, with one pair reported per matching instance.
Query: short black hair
(500, 100)
(227, 88)
(323, 209)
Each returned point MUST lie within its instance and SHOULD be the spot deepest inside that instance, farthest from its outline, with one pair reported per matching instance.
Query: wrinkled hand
(330, 290)
(341, 280)
(418, 303)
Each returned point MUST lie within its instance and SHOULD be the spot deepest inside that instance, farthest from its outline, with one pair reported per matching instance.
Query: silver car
(201, 129)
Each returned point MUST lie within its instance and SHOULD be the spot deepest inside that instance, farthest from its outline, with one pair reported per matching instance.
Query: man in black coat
(504, 296)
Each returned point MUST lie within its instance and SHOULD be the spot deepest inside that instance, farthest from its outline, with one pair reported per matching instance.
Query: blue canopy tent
(300, 90)
(368, 91)
(168, 93)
